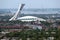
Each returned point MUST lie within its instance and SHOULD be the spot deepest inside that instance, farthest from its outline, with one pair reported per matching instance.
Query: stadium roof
(30, 18)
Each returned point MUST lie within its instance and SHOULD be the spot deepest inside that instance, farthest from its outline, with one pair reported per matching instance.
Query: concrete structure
(25, 18)
(18, 11)
(30, 18)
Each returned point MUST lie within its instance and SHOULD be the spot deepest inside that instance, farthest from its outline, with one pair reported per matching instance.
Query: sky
(5, 4)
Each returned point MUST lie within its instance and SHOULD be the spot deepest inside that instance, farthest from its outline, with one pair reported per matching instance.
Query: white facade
(30, 18)
(25, 18)
(18, 11)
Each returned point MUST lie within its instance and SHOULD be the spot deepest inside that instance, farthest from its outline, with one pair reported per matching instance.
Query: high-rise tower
(18, 11)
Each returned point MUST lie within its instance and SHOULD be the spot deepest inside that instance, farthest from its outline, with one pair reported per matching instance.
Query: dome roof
(27, 17)
(30, 18)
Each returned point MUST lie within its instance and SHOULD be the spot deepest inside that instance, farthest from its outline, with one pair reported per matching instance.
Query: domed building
(30, 18)
(25, 18)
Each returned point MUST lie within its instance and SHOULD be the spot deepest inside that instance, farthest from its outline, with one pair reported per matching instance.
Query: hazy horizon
(34, 11)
